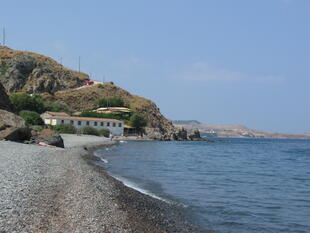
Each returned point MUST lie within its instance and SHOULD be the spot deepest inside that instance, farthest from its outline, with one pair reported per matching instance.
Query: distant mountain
(235, 131)
(186, 122)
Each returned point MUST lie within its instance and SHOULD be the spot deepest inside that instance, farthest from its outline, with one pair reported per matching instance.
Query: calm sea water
(239, 185)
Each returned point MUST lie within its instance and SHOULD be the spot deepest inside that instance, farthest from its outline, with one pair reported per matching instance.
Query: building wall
(115, 130)
(49, 121)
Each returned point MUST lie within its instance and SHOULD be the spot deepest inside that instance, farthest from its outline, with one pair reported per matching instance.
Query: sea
(231, 185)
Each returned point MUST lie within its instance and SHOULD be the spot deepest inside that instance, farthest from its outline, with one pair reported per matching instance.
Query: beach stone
(53, 140)
(13, 127)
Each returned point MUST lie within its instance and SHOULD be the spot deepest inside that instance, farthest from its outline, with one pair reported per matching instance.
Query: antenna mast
(3, 39)
(79, 64)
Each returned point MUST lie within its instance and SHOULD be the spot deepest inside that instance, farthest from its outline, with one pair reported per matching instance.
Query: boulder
(5, 102)
(53, 140)
(13, 127)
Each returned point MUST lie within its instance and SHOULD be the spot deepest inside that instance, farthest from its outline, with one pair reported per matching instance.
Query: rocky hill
(29, 72)
(237, 131)
(34, 73)
(158, 126)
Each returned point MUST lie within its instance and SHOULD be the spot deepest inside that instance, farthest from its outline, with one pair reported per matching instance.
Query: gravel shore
(61, 190)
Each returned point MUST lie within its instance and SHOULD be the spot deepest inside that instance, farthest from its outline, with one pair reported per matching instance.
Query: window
(119, 124)
(62, 121)
(72, 122)
(95, 123)
(101, 124)
(108, 124)
(87, 122)
(114, 124)
(79, 122)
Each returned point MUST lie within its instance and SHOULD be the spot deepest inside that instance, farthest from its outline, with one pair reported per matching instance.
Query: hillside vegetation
(158, 125)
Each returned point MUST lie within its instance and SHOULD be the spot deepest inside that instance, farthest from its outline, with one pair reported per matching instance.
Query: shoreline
(146, 213)
(63, 190)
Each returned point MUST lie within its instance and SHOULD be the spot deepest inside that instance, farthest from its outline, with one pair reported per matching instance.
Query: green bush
(4, 68)
(37, 128)
(23, 101)
(31, 118)
(65, 128)
(104, 132)
(56, 106)
(111, 102)
(137, 121)
(101, 86)
(89, 131)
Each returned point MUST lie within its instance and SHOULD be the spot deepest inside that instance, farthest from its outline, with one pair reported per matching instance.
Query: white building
(116, 127)
(52, 114)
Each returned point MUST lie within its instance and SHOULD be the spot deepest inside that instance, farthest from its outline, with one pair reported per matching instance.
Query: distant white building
(116, 127)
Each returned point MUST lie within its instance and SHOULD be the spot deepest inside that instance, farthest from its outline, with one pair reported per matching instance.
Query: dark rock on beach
(53, 140)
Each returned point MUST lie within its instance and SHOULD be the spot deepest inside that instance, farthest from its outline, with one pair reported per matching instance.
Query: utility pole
(3, 39)
(79, 64)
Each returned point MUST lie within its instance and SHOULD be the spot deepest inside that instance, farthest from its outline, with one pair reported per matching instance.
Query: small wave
(134, 186)
(123, 141)
(104, 160)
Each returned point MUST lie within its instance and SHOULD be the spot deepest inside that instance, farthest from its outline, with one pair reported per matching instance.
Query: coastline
(66, 192)
(146, 213)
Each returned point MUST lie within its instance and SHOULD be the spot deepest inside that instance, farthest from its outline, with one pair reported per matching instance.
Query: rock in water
(182, 134)
(54, 140)
(195, 135)
(13, 127)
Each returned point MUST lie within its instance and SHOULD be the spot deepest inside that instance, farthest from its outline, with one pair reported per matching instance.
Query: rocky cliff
(35, 73)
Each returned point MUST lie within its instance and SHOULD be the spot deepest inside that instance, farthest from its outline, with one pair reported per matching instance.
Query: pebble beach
(47, 189)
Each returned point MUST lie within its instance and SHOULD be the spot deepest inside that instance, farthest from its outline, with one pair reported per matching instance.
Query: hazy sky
(216, 61)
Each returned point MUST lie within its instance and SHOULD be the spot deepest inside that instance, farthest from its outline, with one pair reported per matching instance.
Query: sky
(217, 61)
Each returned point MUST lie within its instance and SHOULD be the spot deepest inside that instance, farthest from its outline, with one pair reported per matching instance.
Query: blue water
(240, 185)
